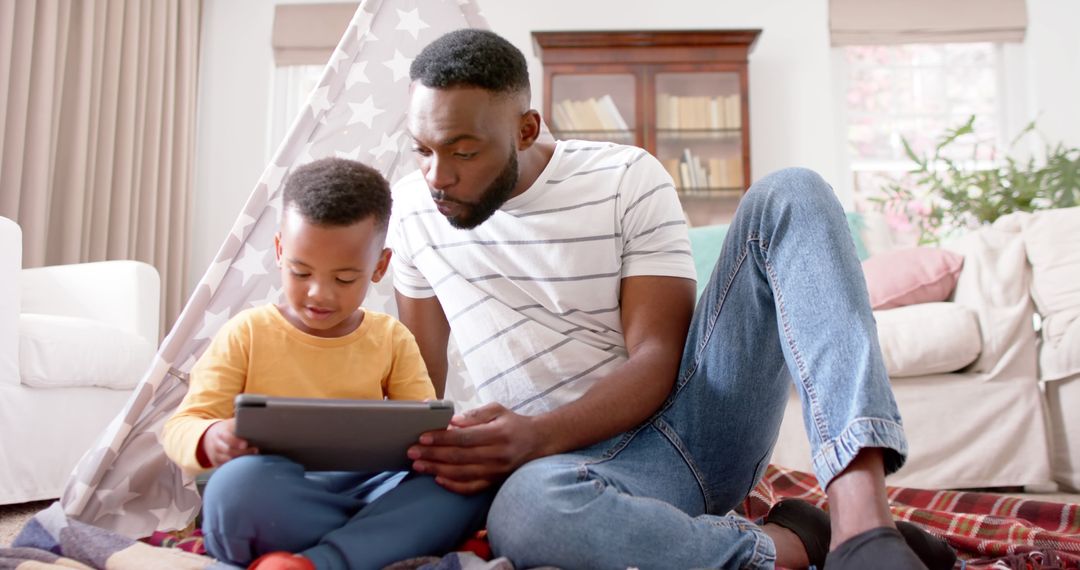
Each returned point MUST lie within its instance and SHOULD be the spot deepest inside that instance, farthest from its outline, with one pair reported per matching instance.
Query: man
(563, 271)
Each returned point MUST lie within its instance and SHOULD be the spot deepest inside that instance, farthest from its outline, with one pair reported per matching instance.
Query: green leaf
(960, 196)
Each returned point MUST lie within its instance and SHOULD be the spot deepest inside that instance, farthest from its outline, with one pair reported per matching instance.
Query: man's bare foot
(790, 552)
(857, 499)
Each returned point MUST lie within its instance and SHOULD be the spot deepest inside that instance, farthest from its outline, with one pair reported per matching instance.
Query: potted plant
(944, 195)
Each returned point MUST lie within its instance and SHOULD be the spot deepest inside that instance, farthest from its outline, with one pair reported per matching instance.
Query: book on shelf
(663, 111)
(560, 117)
(733, 112)
(680, 112)
(592, 114)
(691, 172)
(611, 113)
(594, 121)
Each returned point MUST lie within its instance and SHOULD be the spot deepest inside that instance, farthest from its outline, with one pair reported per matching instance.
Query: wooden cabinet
(681, 95)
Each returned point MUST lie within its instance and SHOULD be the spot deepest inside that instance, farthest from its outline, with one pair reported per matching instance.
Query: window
(292, 86)
(917, 92)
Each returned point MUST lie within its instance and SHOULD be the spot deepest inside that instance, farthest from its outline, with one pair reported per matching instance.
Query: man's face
(465, 142)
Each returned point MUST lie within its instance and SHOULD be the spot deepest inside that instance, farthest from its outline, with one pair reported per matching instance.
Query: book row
(672, 112)
(720, 112)
(690, 171)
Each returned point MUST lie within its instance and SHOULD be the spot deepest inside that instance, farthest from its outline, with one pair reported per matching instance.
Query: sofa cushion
(928, 338)
(910, 276)
(706, 242)
(1052, 243)
(10, 265)
(61, 352)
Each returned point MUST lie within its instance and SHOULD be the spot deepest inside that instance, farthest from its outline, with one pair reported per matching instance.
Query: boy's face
(326, 270)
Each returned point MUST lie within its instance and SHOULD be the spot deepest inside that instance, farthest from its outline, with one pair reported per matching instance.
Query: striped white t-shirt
(532, 294)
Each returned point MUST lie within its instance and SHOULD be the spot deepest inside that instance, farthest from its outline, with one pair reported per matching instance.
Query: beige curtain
(863, 22)
(306, 34)
(97, 121)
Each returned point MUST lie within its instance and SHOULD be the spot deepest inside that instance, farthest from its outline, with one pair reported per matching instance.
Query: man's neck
(531, 163)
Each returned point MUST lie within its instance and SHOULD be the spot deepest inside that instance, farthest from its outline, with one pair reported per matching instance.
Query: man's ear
(277, 248)
(382, 266)
(528, 129)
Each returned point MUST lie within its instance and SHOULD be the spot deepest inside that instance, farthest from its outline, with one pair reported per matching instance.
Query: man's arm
(426, 320)
(655, 316)
(490, 442)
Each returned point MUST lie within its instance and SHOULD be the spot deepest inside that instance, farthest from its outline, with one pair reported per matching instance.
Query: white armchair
(74, 341)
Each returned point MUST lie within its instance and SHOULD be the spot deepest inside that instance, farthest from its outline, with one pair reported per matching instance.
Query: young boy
(317, 343)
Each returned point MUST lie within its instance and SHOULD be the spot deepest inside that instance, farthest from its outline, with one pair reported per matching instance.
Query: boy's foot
(874, 547)
(281, 561)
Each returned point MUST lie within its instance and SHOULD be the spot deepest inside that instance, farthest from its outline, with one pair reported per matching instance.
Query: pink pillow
(911, 276)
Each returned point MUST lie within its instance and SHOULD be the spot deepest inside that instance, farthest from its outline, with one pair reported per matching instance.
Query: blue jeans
(787, 303)
(257, 504)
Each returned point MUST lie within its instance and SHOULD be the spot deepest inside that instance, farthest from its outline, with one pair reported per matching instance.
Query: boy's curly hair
(472, 58)
(338, 192)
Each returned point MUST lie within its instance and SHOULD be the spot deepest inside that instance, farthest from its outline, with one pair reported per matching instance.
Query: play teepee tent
(125, 483)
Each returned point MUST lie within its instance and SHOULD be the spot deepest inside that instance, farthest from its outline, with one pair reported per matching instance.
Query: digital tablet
(339, 435)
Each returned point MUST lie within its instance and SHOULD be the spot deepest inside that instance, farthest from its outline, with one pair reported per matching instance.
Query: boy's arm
(425, 318)
(213, 384)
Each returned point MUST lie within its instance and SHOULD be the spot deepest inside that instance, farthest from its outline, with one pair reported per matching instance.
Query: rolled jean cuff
(764, 555)
(835, 455)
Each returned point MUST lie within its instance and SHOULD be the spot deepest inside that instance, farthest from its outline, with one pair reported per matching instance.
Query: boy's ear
(382, 265)
(277, 248)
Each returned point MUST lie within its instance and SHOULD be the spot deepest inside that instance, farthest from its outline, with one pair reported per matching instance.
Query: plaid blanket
(989, 531)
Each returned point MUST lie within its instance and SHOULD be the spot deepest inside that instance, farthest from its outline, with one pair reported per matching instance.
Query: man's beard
(494, 196)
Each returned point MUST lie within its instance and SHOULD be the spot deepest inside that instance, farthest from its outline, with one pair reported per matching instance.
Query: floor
(12, 517)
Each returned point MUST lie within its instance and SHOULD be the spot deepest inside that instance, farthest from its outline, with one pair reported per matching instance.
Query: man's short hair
(472, 58)
(338, 192)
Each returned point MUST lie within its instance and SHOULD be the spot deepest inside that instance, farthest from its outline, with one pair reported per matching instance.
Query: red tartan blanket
(987, 530)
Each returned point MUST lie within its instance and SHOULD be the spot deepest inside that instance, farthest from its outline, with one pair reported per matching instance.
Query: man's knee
(794, 178)
(793, 190)
(796, 185)
(539, 495)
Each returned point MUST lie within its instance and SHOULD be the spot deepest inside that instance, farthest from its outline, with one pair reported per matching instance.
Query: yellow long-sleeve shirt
(259, 352)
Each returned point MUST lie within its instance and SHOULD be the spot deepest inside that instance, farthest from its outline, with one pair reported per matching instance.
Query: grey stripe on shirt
(563, 383)
(485, 383)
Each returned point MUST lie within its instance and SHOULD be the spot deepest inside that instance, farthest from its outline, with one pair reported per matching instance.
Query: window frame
(1010, 114)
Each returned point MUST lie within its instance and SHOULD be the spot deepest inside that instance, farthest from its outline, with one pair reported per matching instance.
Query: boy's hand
(220, 444)
(481, 447)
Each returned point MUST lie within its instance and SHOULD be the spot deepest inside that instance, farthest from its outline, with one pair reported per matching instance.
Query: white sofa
(74, 341)
(966, 373)
(1052, 240)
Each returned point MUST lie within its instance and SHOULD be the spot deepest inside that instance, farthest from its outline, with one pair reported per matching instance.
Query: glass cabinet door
(594, 107)
(699, 131)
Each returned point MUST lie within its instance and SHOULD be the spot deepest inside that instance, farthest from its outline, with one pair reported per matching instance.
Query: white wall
(235, 62)
(1053, 68)
(794, 116)
(790, 80)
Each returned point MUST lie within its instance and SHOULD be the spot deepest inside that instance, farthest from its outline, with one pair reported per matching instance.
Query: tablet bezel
(338, 435)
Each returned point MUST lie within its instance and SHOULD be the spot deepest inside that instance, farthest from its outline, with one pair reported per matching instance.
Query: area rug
(989, 532)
